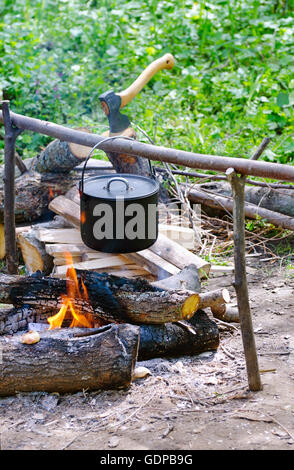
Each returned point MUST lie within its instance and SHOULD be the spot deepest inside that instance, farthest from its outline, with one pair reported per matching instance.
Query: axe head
(111, 104)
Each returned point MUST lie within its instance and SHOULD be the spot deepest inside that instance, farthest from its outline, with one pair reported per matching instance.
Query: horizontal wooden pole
(154, 152)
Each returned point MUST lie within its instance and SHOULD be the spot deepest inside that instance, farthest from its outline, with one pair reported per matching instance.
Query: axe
(112, 102)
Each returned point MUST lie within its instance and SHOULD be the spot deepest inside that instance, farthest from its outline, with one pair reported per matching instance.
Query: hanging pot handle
(81, 185)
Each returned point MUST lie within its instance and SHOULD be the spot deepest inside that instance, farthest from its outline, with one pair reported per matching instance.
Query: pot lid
(120, 185)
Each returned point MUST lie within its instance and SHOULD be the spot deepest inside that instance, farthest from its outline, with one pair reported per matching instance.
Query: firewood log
(111, 298)
(60, 156)
(66, 361)
(178, 255)
(33, 192)
(34, 253)
(33, 250)
(128, 163)
(195, 336)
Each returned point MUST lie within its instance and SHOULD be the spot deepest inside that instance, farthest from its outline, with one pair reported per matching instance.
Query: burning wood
(71, 303)
(110, 298)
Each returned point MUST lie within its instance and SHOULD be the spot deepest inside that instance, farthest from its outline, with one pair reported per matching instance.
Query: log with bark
(110, 298)
(34, 191)
(124, 163)
(251, 211)
(281, 200)
(73, 359)
(217, 300)
(48, 175)
(60, 156)
(200, 334)
(66, 361)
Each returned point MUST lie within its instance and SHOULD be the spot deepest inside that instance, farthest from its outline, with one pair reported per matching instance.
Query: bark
(250, 210)
(195, 336)
(111, 298)
(154, 152)
(281, 201)
(60, 157)
(64, 362)
(8, 190)
(241, 286)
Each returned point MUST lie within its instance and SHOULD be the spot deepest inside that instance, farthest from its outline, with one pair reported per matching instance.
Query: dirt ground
(187, 403)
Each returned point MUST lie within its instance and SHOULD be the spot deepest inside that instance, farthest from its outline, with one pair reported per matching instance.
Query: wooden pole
(9, 190)
(240, 284)
(154, 152)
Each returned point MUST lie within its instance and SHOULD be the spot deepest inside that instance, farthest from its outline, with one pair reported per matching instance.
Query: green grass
(232, 85)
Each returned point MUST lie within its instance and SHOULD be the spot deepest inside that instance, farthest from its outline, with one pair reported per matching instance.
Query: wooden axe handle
(165, 62)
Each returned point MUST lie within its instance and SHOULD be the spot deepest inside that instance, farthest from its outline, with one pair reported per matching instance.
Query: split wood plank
(94, 264)
(154, 263)
(185, 236)
(62, 261)
(176, 254)
(59, 249)
(61, 235)
(96, 255)
(67, 208)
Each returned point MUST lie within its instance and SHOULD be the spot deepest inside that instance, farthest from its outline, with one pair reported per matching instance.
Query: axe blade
(111, 103)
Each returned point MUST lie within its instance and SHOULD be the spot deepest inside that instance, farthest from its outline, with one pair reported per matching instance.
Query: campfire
(71, 303)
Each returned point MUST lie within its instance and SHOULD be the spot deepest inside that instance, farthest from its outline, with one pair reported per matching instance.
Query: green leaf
(282, 99)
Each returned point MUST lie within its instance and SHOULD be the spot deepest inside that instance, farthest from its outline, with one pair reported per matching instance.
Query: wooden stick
(238, 184)
(9, 190)
(193, 174)
(20, 164)
(260, 148)
(154, 152)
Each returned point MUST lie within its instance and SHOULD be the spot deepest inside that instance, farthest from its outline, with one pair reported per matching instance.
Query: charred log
(63, 361)
(111, 298)
(195, 336)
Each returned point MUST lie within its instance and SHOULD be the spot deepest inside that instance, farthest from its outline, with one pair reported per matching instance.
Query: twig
(260, 148)
(227, 352)
(221, 322)
(132, 414)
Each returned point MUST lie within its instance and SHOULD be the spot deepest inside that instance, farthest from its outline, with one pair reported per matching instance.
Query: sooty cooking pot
(119, 213)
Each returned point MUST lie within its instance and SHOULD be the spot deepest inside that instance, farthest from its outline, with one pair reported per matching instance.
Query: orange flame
(51, 193)
(72, 302)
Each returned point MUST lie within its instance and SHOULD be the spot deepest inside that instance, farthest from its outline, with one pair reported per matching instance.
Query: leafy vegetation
(233, 82)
